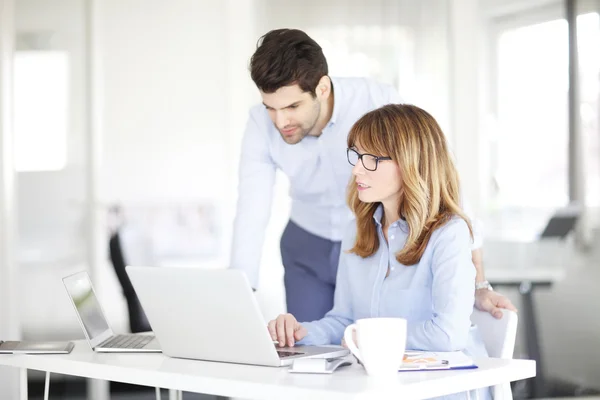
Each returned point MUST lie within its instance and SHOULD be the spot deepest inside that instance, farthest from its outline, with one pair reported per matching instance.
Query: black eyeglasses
(369, 161)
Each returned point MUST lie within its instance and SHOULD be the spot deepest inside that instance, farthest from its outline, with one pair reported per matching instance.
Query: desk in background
(528, 266)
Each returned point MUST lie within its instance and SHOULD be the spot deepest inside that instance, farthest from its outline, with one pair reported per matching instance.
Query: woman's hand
(344, 344)
(286, 330)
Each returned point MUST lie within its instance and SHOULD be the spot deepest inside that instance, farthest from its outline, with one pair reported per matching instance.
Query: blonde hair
(430, 194)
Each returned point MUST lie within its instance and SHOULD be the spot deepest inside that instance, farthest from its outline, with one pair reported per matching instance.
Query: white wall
(51, 213)
(165, 96)
(176, 98)
(505, 8)
(465, 67)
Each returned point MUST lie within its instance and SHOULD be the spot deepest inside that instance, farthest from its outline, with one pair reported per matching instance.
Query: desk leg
(98, 389)
(23, 391)
(532, 338)
(175, 394)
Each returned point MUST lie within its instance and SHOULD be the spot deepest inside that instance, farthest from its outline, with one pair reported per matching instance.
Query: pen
(442, 363)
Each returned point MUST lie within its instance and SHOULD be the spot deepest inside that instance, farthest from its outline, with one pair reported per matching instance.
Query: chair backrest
(138, 322)
(498, 335)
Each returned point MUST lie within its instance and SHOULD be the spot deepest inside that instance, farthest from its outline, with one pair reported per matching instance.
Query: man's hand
(286, 330)
(492, 302)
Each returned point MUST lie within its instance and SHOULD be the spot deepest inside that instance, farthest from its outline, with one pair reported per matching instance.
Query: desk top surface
(511, 275)
(256, 382)
(536, 262)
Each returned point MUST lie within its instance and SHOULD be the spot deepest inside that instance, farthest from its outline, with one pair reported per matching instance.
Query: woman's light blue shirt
(435, 296)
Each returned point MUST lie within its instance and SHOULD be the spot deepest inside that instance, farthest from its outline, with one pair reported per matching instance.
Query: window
(588, 34)
(41, 110)
(532, 114)
(532, 94)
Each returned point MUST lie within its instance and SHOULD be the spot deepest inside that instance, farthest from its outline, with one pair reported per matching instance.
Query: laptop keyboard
(286, 353)
(127, 341)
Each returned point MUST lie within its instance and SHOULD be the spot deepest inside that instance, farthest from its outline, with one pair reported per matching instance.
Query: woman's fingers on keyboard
(290, 325)
(272, 330)
(284, 329)
(280, 327)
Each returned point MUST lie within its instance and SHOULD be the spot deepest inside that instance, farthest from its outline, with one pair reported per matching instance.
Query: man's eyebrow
(290, 105)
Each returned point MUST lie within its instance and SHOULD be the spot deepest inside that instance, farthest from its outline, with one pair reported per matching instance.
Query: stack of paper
(438, 360)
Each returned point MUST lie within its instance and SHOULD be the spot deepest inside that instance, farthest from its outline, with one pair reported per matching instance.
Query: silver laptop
(212, 315)
(94, 324)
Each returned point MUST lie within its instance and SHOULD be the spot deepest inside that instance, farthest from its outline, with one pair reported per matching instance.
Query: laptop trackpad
(153, 345)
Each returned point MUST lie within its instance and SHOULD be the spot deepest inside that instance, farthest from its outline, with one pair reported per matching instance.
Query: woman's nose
(358, 168)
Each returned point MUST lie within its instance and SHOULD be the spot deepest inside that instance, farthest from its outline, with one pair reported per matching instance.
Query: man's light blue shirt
(435, 296)
(316, 167)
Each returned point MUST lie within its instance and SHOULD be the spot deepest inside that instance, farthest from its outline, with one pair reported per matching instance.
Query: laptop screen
(87, 306)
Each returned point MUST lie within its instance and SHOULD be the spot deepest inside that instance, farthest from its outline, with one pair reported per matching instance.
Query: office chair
(138, 322)
(499, 336)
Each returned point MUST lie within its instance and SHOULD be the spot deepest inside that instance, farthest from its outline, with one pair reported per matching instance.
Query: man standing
(301, 128)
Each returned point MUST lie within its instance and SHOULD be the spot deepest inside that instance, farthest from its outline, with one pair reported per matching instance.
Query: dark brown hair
(286, 57)
(430, 188)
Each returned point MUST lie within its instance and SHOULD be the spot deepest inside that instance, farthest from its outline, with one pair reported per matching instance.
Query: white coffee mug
(380, 346)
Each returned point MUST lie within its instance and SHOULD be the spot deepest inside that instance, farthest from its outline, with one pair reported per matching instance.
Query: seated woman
(408, 252)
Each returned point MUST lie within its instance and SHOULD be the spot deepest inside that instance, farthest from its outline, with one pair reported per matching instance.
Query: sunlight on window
(588, 28)
(41, 110)
(533, 86)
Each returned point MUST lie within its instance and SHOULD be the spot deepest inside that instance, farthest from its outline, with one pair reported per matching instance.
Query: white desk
(266, 382)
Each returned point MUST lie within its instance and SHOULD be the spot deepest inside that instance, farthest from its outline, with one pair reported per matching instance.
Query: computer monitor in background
(561, 223)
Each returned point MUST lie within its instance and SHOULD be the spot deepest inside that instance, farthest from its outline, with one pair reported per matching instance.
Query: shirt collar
(336, 89)
(378, 214)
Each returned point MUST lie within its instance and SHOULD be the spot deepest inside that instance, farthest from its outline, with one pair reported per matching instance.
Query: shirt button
(392, 237)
